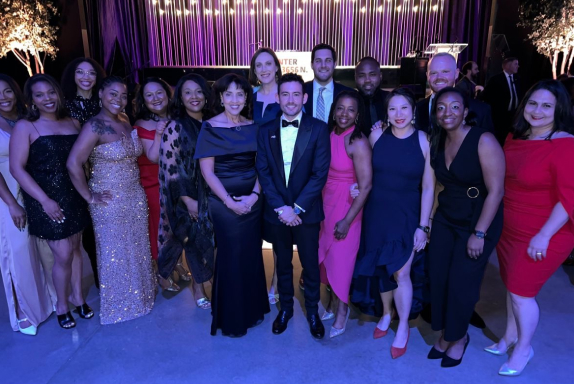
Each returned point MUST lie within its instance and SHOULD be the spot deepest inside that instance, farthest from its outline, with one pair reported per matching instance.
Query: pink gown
(337, 257)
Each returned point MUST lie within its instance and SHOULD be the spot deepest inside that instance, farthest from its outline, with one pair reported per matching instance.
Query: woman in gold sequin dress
(118, 206)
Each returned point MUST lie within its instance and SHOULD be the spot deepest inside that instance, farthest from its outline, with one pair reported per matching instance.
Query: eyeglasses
(82, 73)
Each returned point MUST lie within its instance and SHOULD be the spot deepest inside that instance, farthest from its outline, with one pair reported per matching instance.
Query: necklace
(10, 122)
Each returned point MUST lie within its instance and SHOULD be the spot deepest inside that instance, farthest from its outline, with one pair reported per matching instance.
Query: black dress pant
(306, 237)
(455, 278)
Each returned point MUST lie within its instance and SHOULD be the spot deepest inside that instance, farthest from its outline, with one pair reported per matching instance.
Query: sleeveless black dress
(47, 166)
(239, 295)
(390, 218)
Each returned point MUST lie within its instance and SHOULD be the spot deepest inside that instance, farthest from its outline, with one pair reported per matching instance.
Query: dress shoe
(316, 326)
(339, 331)
(435, 354)
(327, 316)
(398, 352)
(476, 321)
(31, 330)
(449, 362)
(506, 371)
(378, 333)
(497, 351)
(280, 323)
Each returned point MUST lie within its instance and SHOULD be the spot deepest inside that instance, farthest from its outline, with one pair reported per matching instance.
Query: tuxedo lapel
(275, 145)
(303, 136)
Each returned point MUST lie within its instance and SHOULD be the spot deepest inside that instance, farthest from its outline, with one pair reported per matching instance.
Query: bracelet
(92, 198)
(225, 199)
(257, 193)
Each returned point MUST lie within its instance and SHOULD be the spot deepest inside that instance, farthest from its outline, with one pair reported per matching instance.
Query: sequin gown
(19, 262)
(127, 282)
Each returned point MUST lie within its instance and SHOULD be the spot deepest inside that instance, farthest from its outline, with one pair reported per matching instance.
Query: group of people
(394, 204)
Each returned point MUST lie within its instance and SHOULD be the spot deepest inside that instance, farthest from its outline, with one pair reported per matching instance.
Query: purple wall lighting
(227, 32)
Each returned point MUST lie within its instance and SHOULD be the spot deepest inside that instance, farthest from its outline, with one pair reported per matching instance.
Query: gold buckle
(470, 189)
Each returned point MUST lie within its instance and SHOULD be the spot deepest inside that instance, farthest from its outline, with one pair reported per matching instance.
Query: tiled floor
(173, 345)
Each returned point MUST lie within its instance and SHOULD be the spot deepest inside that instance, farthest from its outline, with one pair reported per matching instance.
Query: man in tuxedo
(503, 94)
(368, 78)
(441, 73)
(293, 157)
(323, 89)
(467, 83)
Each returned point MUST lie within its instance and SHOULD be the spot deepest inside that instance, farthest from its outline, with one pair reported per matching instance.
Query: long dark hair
(252, 76)
(141, 111)
(404, 92)
(437, 133)
(68, 82)
(563, 118)
(177, 108)
(32, 113)
(359, 122)
(222, 85)
(20, 105)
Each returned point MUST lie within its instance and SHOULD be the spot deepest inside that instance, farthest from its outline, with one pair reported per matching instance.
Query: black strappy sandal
(66, 320)
(84, 311)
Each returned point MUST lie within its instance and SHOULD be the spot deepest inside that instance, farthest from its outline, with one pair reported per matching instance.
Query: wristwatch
(297, 210)
(424, 229)
(480, 234)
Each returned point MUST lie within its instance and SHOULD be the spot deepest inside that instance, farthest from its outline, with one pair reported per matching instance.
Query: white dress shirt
(327, 97)
(512, 103)
(288, 139)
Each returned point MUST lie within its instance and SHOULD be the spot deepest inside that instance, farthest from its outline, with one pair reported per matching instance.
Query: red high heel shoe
(398, 352)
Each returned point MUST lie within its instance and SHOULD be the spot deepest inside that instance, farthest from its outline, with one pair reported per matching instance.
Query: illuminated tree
(552, 26)
(25, 31)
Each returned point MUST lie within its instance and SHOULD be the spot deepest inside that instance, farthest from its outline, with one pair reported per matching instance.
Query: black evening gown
(239, 295)
(390, 219)
(47, 166)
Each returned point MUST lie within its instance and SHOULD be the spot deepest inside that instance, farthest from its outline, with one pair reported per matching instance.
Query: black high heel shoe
(84, 311)
(449, 362)
(435, 354)
(66, 320)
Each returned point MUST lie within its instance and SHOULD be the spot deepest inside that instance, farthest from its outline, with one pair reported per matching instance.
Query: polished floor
(173, 345)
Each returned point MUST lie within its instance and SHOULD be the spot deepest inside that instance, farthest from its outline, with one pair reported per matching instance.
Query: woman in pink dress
(341, 230)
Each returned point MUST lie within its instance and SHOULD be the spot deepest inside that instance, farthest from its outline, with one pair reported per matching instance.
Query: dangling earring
(357, 120)
(413, 122)
(100, 103)
(388, 123)
(464, 122)
(34, 107)
(222, 104)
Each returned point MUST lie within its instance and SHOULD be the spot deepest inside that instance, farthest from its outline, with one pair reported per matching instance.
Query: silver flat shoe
(499, 352)
(505, 370)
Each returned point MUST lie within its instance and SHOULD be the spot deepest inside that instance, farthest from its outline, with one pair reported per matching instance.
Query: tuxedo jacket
(497, 93)
(308, 174)
(378, 100)
(482, 115)
(308, 88)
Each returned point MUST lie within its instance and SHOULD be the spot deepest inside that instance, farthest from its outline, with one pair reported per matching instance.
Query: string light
(252, 12)
(216, 12)
(187, 12)
(161, 11)
(364, 9)
(415, 8)
(231, 11)
(380, 9)
(435, 8)
(299, 11)
(278, 11)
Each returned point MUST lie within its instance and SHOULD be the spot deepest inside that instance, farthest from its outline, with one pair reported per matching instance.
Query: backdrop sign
(296, 62)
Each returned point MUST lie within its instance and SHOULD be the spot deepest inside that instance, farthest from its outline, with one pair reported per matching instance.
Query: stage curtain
(467, 21)
(117, 25)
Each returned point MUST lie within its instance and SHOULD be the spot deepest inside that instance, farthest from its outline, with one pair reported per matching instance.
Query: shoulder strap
(36, 129)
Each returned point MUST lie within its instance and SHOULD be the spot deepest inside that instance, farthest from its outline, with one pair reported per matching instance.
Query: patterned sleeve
(563, 174)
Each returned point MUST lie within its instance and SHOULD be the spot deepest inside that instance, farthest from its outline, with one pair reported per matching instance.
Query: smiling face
(114, 98)
(367, 78)
(540, 108)
(323, 66)
(193, 99)
(7, 98)
(291, 98)
(233, 99)
(45, 97)
(265, 68)
(442, 72)
(85, 76)
(155, 98)
(400, 112)
(346, 112)
(450, 111)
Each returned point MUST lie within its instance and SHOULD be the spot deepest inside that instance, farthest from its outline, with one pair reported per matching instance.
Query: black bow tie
(294, 123)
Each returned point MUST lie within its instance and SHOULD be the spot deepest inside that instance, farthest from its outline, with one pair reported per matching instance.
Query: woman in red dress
(151, 110)
(538, 231)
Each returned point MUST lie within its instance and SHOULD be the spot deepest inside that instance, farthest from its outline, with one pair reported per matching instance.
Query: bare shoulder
(22, 126)
(375, 135)
(562, 135)
(100, 126)
(423, 139)
(149, 125)
(360, 143)
(488, 139)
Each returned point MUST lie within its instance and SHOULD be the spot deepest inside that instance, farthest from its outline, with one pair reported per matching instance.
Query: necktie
(514, 96)
(373, 112)
(321, 105)
(294, 123)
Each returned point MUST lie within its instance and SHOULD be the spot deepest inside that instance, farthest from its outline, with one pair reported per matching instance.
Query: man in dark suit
(323, 89)
(467, 83)
(503, 94)
(293, 157)
(368, 78)
(441, 73)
